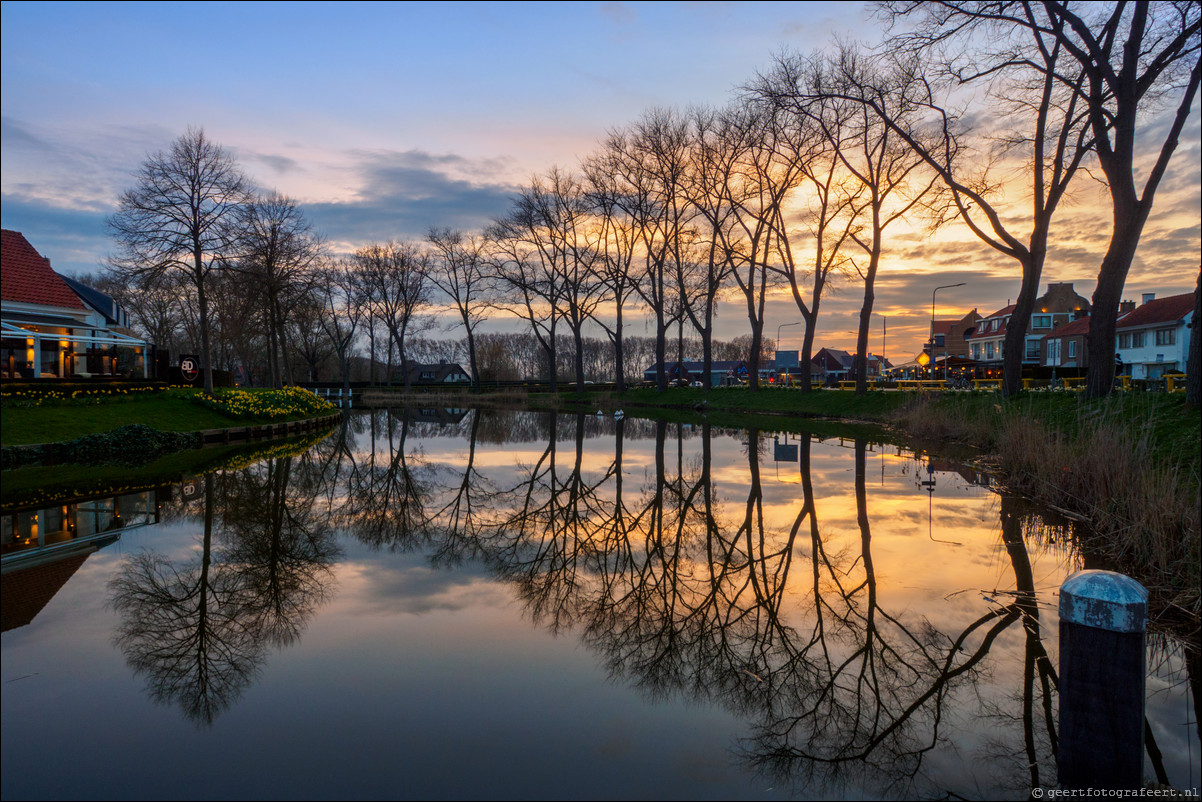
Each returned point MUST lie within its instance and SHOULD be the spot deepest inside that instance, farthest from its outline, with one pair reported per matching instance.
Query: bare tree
(526, 287)
(882, 164)
(550, 217)
(464, 277)
(710, 170)
(778, 153)
(650, 160)
(182, 216)
(1117, 60)
(618, 241)
(341, 311)
(279, 251)
(393, 278)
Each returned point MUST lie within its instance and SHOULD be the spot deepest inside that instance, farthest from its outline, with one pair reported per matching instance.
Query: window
(1137, 339)
(1165, 337)
(1032, 349)
(976, 350)
(1125, 340)
(1041, 321)
(1072, 349)
(989, 350)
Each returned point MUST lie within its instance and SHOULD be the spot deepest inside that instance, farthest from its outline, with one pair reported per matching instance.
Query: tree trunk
(1112, 277)
(205, 354)
(619, 356)
(862, 334)
(1014, 347)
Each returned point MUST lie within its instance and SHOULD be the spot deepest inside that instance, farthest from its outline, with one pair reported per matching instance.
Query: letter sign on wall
(189, 366)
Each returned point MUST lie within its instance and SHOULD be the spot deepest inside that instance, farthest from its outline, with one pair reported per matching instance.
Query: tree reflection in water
(681, 596)
(684, 591)
(198, 632)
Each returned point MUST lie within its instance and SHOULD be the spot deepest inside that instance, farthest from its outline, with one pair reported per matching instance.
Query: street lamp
(781, 326)
(937, 289)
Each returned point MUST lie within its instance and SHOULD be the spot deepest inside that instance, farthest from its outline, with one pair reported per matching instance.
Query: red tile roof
(1073, 328)
(979, 331)
(944, 326)
(1160, 310)
(26, 277)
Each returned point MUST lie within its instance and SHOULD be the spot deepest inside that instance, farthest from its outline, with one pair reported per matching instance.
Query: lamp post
(937, 289)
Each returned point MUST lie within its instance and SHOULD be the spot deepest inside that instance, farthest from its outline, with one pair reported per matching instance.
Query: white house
(56, 328)
(1153, 339)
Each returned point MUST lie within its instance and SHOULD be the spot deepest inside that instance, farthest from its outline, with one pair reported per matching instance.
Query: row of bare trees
(794, 185)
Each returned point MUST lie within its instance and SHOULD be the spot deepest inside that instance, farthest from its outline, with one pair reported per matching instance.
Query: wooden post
(1102, 620)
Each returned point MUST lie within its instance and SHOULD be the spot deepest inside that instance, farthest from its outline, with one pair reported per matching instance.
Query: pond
(461, 604)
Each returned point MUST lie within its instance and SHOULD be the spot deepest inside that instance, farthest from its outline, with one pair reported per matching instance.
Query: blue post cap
(1104, 600)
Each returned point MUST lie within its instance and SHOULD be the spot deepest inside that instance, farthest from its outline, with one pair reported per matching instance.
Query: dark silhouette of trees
(1088, 75)
(182, 215)
(393, 281)
(279, 253)
(462, 275)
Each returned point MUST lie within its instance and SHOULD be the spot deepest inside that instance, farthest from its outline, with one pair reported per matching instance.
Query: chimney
(1148, 296)
(1126, 306)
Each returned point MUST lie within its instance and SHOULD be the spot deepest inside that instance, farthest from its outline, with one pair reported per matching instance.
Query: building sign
(189, 366)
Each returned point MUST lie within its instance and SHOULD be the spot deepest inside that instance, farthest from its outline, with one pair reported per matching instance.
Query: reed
(1127, 467)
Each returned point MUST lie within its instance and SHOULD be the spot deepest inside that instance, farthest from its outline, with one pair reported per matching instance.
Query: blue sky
(384, 119)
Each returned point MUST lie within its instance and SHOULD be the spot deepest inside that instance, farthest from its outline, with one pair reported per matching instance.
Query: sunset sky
(386, 119)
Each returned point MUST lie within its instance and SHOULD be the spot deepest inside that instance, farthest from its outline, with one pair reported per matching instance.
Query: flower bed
(270, 405)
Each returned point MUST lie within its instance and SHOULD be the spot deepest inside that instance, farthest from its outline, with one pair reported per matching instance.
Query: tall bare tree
(1119, 61)
(279, 252)
(463, 276)
(651, 159)
(710, 171)
(619, 217)
(182, 215)
(394, 279)
(867, 148)
(551, 216)
(341, 310)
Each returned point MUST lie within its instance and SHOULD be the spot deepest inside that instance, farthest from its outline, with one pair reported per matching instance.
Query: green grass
(171, 411)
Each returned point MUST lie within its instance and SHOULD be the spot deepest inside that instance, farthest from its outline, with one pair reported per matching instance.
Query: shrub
(131, 446)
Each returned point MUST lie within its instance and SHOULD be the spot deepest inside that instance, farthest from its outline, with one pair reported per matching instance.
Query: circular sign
(189, 368)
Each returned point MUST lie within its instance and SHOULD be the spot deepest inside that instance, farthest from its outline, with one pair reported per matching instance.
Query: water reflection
(44, 546)
(198, 629)
(876, 637)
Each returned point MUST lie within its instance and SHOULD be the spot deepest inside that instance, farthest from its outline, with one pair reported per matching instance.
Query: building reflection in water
(43, 547)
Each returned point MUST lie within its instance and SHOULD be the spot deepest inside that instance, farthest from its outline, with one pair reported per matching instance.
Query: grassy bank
(30, 417)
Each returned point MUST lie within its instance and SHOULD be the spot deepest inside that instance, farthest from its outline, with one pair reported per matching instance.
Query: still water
(454, 604)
